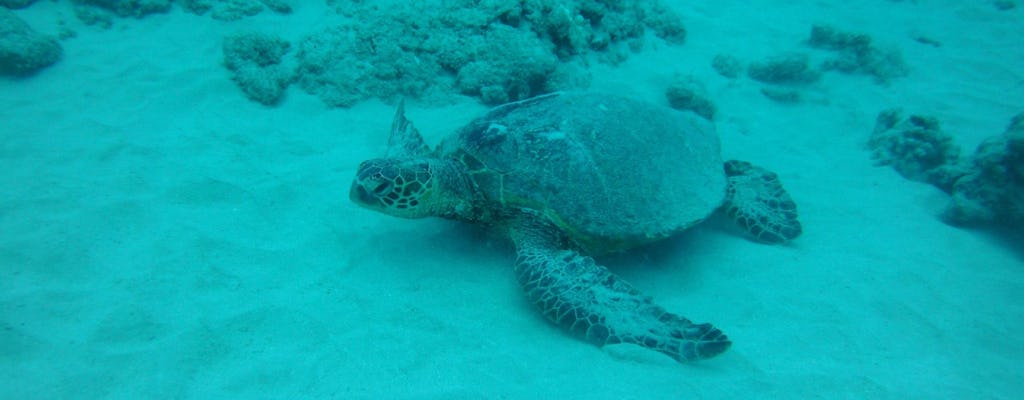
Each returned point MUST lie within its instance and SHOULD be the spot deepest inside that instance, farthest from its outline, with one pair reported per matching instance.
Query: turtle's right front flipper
(588, 300)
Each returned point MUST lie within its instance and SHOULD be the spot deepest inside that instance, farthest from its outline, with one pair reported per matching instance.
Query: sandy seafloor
(161, 236)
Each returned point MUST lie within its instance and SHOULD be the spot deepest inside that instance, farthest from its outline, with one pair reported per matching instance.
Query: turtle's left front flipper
(590, 301)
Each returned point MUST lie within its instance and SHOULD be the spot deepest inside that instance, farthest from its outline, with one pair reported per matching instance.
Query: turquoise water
(175, 220)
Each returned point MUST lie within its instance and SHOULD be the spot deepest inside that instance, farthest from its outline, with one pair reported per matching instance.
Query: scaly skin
(590, 301)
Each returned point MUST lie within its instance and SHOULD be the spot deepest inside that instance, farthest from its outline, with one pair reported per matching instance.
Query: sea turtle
(569, 175)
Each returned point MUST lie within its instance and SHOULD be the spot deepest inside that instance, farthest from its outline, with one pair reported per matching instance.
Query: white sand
(163, 237)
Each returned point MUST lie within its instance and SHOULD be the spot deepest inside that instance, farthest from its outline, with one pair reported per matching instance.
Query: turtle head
(410, 182)
(400, 187)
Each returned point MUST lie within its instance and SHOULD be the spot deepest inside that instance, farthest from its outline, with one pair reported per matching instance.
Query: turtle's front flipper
(405, 139)
(590, 301)
(756, 200)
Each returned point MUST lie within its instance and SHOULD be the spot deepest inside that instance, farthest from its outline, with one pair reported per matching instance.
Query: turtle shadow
(682, 254)
(667, 254)
(468, 246)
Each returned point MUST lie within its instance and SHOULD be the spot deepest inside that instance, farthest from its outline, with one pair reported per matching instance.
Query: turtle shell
(612, 172)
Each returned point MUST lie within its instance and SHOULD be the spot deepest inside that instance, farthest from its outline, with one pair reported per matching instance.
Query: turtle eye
(381, 188)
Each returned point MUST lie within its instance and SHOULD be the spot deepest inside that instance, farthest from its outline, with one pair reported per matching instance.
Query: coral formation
(496, 50)
(231, 10)
(856, 54)
(129, 8)
(686, 93)
(24, 51)
(993, 189)
(102, 12)
(343, 65)
(786, 69)
(986, 189)
(256, 63)
(665, 23)
(917, 148)
(510, 64)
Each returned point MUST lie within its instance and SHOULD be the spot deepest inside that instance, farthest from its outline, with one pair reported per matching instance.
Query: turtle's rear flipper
(756, 200)
(588, 300)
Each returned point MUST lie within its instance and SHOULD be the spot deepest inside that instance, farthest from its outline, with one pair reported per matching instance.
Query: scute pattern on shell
(612, 172)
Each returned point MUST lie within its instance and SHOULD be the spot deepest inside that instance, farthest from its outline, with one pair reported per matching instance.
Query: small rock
(788, 69)
(727, 66)
(24, 51)
(781, 95)
(687, 94)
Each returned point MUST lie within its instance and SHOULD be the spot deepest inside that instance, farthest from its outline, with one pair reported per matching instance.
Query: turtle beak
(359, 195)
